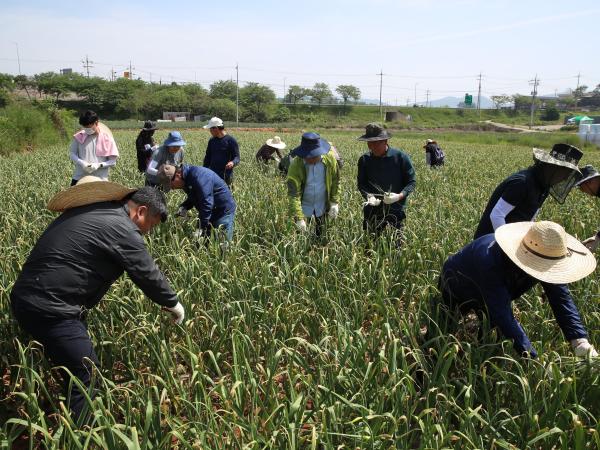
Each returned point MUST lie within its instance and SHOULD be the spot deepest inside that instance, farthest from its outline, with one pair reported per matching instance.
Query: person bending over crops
(145, 145)
(497, 268)
(207, 192)
(74, 263)
(273, 146)
(313, 182)
(520, 196)
(434, 155)
(386, 178)
(590, 184)
(171, 152)
(93, 149)
(222, 151)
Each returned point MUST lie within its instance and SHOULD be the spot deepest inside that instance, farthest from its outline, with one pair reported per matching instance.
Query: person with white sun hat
(497, 268)
(273, 146)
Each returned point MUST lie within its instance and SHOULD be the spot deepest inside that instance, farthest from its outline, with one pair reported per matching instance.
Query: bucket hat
(149, 126)
(563, 155)
(375, 132)
(545, 251)
(588, 172)
(88, 190)
(214, 122)
(311, 146)
(174, 139)
(277, 143)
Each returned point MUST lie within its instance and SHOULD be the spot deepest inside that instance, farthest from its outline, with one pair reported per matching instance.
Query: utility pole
(578, 76)
(535, 82)
(87, 64)
(284, 79)
(130, 70)
(479, 96)
(237, 95)
(18, 57)
(416, 94)
(380, 91)
(112, 74)
(427, 103)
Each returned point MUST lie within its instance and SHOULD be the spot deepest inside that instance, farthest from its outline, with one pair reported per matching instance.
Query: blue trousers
(226, 223)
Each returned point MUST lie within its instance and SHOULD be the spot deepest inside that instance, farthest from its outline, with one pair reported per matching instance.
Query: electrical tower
(87, 64)
(479, 96)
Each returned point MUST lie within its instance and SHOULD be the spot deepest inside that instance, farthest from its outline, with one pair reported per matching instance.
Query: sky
(440, 46)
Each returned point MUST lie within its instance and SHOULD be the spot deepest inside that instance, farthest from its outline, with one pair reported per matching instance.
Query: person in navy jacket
(497, 268)
(222, 151)
(207, 192)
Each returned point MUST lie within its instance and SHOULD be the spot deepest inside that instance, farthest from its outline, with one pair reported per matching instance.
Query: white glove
(581, 347)
(391, 197)
(89, 168)
(277, 160)
(198, 234)
(147, 147)
(592, 243)
(181, 212)
(334, 210)
(301, 225)
(372, 201)
(177, 312)
(95, 166)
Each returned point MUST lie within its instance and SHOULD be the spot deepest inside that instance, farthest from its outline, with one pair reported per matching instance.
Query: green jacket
(296, 178)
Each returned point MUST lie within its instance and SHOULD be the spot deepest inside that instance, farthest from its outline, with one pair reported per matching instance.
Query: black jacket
(78, 258)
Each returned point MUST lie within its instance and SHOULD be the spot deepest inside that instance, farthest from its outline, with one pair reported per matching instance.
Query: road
(524, 129)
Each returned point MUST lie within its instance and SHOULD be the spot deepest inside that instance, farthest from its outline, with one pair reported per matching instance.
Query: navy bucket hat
(311, 146)
(174, 140)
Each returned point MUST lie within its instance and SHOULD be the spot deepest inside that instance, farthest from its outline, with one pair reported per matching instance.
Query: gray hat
(375, 132)
(564, 155)
(165, 175)
(588, 173)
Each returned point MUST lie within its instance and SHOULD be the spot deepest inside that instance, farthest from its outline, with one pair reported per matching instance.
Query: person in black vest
(520, 196)
(145, 145)
(222, 151)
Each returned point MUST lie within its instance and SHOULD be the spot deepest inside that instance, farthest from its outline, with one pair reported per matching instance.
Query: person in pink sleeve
(93, 149)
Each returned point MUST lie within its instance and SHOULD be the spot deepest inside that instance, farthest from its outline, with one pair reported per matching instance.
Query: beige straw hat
(88, 190)
(277, 143)
(545, 251)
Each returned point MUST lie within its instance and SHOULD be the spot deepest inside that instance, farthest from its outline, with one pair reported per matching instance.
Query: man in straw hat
(97, 237)
(520, 196)
(171, 152)
(590, 184)
(145, 145)
(495, 269)
(207, 192)
(265, 154)
(222, 151)
(313, 182)
(386, 178)
(93, 149)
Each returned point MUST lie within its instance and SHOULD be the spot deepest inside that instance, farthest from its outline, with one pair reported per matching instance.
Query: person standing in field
(76, 260)
(590, 184)
(206, 192)
(273, 146)
(434, 155)
(495, 269)
(222, 151)
(93, 149)
(520, 196)
(313, 181)
(145, 145)
(386, 178)
(171, 152)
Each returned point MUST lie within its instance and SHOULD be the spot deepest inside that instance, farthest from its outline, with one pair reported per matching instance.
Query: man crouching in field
(497, 268)
(74, 263)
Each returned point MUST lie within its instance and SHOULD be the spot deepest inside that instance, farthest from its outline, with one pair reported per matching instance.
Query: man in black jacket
(76, 260)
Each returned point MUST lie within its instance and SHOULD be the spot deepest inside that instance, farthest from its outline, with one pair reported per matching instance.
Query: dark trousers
(320, 225)
(67, 343)
(375, 221)
(73, 181)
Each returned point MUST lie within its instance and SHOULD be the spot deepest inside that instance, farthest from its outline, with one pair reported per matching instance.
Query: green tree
(320, 92)
(550, 112)
(223, 89)
(579, 92)
(222, 108)
(347, 91)
(255, 98)
(296, 93)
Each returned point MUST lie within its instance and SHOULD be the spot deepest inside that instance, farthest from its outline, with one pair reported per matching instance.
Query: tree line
(125, 98)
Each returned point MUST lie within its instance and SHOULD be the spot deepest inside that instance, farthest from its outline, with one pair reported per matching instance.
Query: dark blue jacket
(393, 172)
(482, 271)
(208, 193)
(219, 152)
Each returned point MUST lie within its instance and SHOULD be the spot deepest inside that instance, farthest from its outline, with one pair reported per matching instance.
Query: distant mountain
(452, 102)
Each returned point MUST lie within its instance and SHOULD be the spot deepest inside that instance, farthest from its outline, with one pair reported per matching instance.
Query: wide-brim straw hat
(88, 190)
(277, 143)
(545, 251)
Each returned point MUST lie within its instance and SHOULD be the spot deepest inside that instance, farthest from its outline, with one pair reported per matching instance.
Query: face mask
(89, 131)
